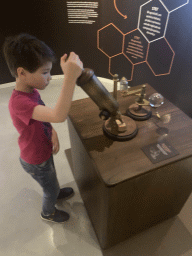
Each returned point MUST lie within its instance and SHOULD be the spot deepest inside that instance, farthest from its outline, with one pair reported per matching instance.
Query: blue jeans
(46, 176)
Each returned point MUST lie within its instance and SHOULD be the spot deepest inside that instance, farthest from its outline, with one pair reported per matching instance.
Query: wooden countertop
(119, 161)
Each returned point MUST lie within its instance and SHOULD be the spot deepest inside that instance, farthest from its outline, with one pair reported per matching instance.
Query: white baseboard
(105, 81)
(57, 77)
(12, 84)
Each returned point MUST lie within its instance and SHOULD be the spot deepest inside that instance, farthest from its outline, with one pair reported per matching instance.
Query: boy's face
(40, 78)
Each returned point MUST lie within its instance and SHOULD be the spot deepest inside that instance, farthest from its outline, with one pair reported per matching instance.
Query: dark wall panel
(104, 45)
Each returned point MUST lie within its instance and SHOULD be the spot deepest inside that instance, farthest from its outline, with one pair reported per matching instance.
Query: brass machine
(116, 126)
(140, 110)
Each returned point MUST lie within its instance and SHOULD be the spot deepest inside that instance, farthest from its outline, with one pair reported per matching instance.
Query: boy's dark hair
(26, 51)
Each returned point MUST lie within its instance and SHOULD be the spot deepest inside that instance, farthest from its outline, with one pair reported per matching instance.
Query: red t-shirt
(35, 136)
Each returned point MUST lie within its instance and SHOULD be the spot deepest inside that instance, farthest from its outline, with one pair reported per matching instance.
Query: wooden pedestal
(123, 191)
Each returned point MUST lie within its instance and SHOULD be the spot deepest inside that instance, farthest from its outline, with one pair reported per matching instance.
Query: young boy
(30, 62)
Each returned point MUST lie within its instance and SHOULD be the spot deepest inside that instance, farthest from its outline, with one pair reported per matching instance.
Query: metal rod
(115, 79)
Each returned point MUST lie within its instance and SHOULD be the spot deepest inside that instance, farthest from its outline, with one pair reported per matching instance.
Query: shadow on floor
(169, 238)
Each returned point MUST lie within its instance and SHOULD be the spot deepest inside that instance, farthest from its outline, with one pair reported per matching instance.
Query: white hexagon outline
(175, 8)
(165, 24)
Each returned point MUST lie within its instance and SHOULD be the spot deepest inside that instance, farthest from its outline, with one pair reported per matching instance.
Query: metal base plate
(109, 129)
(139, 114)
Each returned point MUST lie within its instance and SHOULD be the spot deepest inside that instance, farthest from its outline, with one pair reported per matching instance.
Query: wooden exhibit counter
(123, 191)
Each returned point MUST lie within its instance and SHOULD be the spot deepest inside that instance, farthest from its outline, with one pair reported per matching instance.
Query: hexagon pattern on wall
(147, 43)
(113, 45)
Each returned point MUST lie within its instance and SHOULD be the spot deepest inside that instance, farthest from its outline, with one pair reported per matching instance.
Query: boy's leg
(50, 186)
(45, 175)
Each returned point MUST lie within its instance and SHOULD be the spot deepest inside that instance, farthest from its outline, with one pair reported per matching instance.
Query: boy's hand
(55, 142)
(71, 67)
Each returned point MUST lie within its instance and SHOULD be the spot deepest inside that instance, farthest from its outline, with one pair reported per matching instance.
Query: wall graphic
(82, 12)
(147, 43)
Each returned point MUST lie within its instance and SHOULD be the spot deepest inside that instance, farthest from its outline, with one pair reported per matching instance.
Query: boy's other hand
(71, 67)
(55, 142)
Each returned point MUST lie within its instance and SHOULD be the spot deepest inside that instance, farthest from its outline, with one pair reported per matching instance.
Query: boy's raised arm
(72, 69)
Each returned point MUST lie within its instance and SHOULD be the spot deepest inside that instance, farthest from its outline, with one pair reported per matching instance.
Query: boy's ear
(21, 72)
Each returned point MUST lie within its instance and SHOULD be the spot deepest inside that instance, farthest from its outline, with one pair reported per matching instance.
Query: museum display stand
(123, 191)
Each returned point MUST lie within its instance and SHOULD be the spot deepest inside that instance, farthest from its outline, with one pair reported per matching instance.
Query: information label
(135, 48)
(82, 12)
(159, 151)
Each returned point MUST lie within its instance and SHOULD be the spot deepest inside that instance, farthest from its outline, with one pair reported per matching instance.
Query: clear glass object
(156, 100)
(124, 84)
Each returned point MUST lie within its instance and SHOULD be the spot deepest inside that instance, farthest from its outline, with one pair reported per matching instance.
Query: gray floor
(23, 232)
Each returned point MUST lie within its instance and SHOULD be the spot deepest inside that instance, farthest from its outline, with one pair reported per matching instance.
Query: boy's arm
(72, 69)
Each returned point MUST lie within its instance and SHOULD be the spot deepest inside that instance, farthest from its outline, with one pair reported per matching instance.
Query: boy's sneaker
(58, 216)
(65, 193)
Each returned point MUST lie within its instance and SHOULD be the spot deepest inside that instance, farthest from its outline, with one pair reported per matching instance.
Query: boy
(30, 62)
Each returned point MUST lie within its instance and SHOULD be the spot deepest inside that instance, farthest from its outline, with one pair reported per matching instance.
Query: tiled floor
(24, 233)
